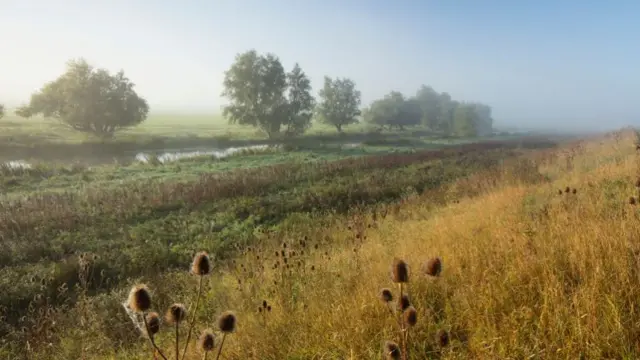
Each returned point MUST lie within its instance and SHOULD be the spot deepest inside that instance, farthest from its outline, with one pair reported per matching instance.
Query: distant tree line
(261, 94)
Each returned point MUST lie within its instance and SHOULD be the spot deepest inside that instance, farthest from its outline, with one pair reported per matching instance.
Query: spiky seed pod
(560, 192)
(433, 267)
(574, 191)
(391, 350)
(227, 322)
(400, 271)
(410, 316)
(264, 304)
(176, 314)
(638, 183)
(139, 298)
(403, 302)
(201, 264)
(632, 200)
(386, 295)
(207, 340)
(153, 323)
(567, 189)
(442, 338)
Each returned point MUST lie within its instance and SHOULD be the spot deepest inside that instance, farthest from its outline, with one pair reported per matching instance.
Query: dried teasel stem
(193, 318)
(151, 340)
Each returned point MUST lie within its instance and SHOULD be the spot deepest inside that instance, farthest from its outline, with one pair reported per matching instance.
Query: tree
(300, 102)
(1, 111)
(484, 120)
(430, 105)
(90, 100)
(339, 102)
(255, 85)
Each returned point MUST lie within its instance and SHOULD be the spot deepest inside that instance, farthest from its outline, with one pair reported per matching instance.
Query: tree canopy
(1, 111)
(339, 102)
(262, 95)
(89, 100)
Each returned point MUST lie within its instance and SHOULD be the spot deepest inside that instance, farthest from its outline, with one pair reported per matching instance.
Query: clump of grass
(140, 302)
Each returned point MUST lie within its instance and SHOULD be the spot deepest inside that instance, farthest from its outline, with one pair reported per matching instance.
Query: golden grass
(527, 272)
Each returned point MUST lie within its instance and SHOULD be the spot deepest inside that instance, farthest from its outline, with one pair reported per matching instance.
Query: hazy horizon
(553, 65)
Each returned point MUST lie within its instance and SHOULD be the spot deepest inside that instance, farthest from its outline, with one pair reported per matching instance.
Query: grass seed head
(201, 264)
(176, 314)
(227, 322)
(391, 350)
(400, 271)
(433, 267)
(410, 316)
(153, 323)
(139, 298)
(207, 340)
(386, 295)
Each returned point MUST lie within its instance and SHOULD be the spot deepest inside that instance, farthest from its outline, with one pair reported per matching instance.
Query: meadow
(537, 240)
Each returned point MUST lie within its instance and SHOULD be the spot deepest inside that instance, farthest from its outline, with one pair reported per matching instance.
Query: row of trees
(436, 111)
(260, 93)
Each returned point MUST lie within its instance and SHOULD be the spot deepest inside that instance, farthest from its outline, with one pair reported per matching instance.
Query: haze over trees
(1, 111)
(89, 100)
(433, 110)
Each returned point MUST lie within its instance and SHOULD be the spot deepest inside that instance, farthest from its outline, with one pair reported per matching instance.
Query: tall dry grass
(529, 270)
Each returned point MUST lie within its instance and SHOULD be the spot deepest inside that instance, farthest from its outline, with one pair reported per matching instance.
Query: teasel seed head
(139, 298)
(400, 271)
(153, 323)
(433, 267)
(391, 350)
(403, 302)
(207, 340)
(410, 316)
(201, 264)
(386, 295)
(176, 314)
(442, 338)
(227, 322)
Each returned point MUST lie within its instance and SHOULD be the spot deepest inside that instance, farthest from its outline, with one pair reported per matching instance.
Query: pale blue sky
(563, 64)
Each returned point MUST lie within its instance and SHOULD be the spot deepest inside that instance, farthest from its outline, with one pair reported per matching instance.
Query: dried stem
(224, 335)
(193, 318)
(153, 343)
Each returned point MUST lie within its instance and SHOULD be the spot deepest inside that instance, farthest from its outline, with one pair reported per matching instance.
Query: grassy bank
(529, 269)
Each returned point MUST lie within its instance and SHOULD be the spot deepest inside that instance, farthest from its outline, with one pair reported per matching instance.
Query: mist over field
(319, 180)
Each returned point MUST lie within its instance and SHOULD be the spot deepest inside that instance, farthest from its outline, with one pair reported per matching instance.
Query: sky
(540, 64)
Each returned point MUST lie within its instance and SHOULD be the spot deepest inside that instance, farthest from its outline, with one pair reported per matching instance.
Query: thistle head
(139, 298)
(400, 271)
(176, 314)
(201, 264)
(207, 340)
(227, 322)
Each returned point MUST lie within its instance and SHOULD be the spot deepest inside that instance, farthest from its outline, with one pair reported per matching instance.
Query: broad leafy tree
(255, 85)
(1, 111)
(90, 100)
(339, 103)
